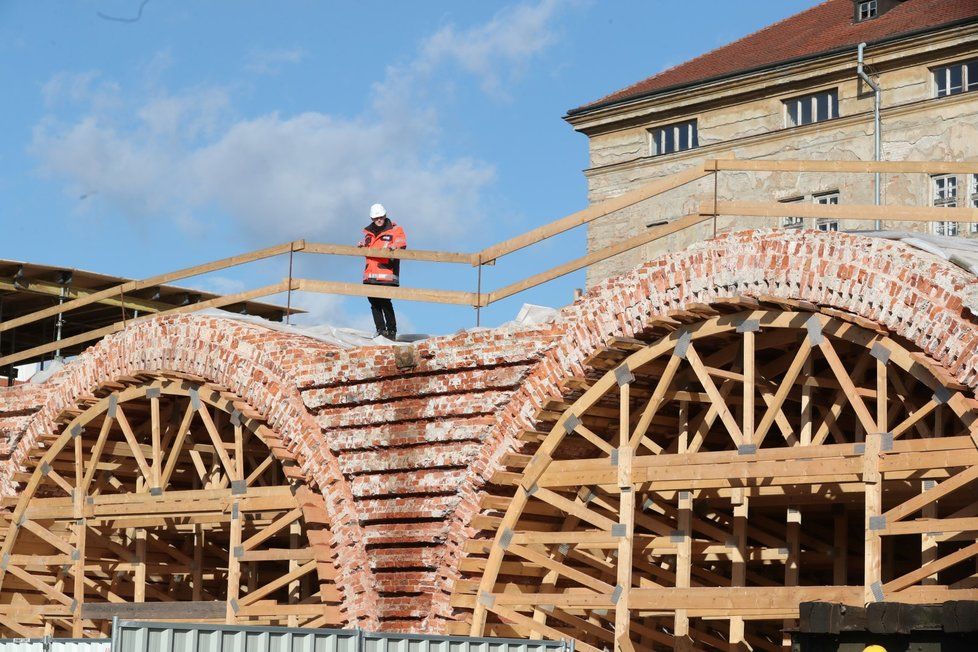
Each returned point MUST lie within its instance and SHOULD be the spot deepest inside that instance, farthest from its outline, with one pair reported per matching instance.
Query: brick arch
(254, 363)
(917, 296)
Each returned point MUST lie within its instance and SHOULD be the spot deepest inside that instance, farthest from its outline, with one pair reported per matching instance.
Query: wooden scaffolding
(699, 482)
(163, 497)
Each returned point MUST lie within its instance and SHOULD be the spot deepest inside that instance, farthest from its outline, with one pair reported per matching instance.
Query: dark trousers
(383, 312)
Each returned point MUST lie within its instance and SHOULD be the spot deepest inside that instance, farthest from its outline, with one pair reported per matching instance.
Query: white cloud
(279, 176)
(501, 46)
(271, 62)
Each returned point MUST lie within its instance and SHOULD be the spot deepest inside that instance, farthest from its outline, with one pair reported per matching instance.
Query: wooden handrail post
(478, 292)
(288, 298)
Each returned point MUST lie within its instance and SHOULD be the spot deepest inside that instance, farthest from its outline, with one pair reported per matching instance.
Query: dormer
(864, 10)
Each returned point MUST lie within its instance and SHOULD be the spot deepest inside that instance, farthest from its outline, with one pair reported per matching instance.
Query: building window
(945, 190)
(973, 198)
(866, 10)
(677, 137)
(792, 222)
(827, 198)
(956, 78)
(945, 195)
(807, 109)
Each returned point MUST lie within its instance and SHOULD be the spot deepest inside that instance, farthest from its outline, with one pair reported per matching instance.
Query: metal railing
(709, 210)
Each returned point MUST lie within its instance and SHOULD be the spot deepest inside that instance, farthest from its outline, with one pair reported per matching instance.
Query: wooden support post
(684, 561)
(791, 566)
(234, 565)
(805, 438)
(295, 586)
(873, 487)
(157, 468)
(80, 526)
(738, 575)
(882, 404)
(840, 545)
(626, 522)
(750, 390)
(139, 579)
(197, 569)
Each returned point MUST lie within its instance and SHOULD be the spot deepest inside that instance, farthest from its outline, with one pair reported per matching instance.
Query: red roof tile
(824, 28)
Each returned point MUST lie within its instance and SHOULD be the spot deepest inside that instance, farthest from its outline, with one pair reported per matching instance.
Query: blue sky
(201, 130)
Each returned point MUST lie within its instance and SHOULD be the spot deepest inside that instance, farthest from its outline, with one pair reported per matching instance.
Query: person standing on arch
(382, 234)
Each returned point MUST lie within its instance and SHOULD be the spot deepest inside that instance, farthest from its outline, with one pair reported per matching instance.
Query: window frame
(692, 137)
(944, 197)
(872, 10)
(797, 102)
(943, 87)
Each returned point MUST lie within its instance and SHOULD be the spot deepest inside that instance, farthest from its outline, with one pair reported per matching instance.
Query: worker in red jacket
(381, 233)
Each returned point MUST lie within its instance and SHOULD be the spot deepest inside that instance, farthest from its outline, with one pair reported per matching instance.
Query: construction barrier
(135, 636)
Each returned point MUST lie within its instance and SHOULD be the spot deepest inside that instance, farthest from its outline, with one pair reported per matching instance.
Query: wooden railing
(709, 210)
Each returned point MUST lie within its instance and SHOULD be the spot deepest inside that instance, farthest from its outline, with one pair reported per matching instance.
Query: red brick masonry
(401, 453)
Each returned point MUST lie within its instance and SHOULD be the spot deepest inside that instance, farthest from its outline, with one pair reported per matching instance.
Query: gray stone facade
(745, 118)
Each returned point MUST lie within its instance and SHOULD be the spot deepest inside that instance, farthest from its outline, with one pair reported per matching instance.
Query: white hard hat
(377, 210)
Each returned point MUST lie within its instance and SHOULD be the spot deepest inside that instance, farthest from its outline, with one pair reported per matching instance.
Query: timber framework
(678, 461)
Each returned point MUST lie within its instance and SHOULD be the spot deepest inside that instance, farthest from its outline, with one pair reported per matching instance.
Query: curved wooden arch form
(164, 497)
(696, 486)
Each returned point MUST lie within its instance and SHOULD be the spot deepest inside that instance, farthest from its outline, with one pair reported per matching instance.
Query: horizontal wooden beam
(891, 167)
(99, 333)
(604, 253)
(857, 212)
(389, 292)
(400, 254)
(591, 213)
(160, 279)
(188, 610)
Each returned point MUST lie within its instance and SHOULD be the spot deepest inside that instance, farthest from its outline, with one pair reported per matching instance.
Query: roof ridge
(708, 53)
(826, 27)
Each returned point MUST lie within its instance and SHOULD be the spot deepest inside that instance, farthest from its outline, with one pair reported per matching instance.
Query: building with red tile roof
(793, 90)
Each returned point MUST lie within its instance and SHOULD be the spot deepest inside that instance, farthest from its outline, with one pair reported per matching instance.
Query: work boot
(391, 335)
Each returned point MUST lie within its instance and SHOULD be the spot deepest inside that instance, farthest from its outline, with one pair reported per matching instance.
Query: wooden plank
(872, 550)
(156, 441)
(842, 375)
(787, 383)
(161, 279)
(591, 213)
(651, 235)
(915, 504)
(387, 292)
(738, 576)
(626, 518)
(182, 610)
(177, 446)
(234, 566)
(400, 254)
(855, 212)
(806, 165)
(90, 336)
(693, 358)
(134, 446)
(929, 569)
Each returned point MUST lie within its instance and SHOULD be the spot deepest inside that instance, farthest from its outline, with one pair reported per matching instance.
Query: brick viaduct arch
(883, 286)
(238, 362)
(918, 298)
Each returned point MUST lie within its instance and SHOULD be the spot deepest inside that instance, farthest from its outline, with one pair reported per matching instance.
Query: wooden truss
(699, 483)
(162, 498)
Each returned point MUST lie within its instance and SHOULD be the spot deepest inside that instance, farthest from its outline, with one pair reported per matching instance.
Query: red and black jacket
(383, 271)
